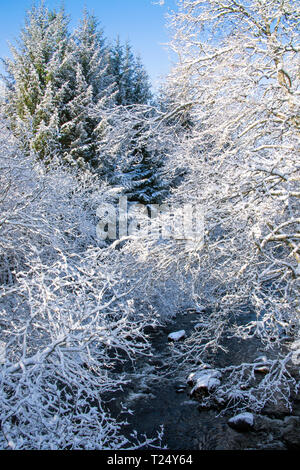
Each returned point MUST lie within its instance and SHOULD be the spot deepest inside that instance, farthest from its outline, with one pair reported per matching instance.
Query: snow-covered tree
(244, 85)
(92, 91)
(238, 61)
(92, 54)
(142, 87)
(37, 81)
(133, 151)
(58, 85)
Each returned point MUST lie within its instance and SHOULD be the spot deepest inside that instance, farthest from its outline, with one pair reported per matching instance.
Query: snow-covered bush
(66, 315)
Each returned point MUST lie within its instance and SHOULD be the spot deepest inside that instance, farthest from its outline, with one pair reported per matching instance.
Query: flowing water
(158, 395)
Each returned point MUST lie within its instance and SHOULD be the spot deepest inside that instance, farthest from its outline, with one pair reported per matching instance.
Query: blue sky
(139, 21)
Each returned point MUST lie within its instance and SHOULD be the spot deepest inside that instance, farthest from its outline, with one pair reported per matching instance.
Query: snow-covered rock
(205, 369)
(204, 381)
(242, 422)
(176, 335)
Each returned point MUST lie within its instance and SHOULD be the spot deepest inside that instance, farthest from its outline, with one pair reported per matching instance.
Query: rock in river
(242, 422)
(204, 381)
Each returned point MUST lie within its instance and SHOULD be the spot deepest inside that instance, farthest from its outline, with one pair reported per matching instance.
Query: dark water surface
(159, 396)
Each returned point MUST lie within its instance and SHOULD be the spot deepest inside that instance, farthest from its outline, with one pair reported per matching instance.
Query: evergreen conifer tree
(55, 86)
(141, 86)
(144, 181)
(131, 81)
(92, 91)
(60, 86)
(38, 81)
